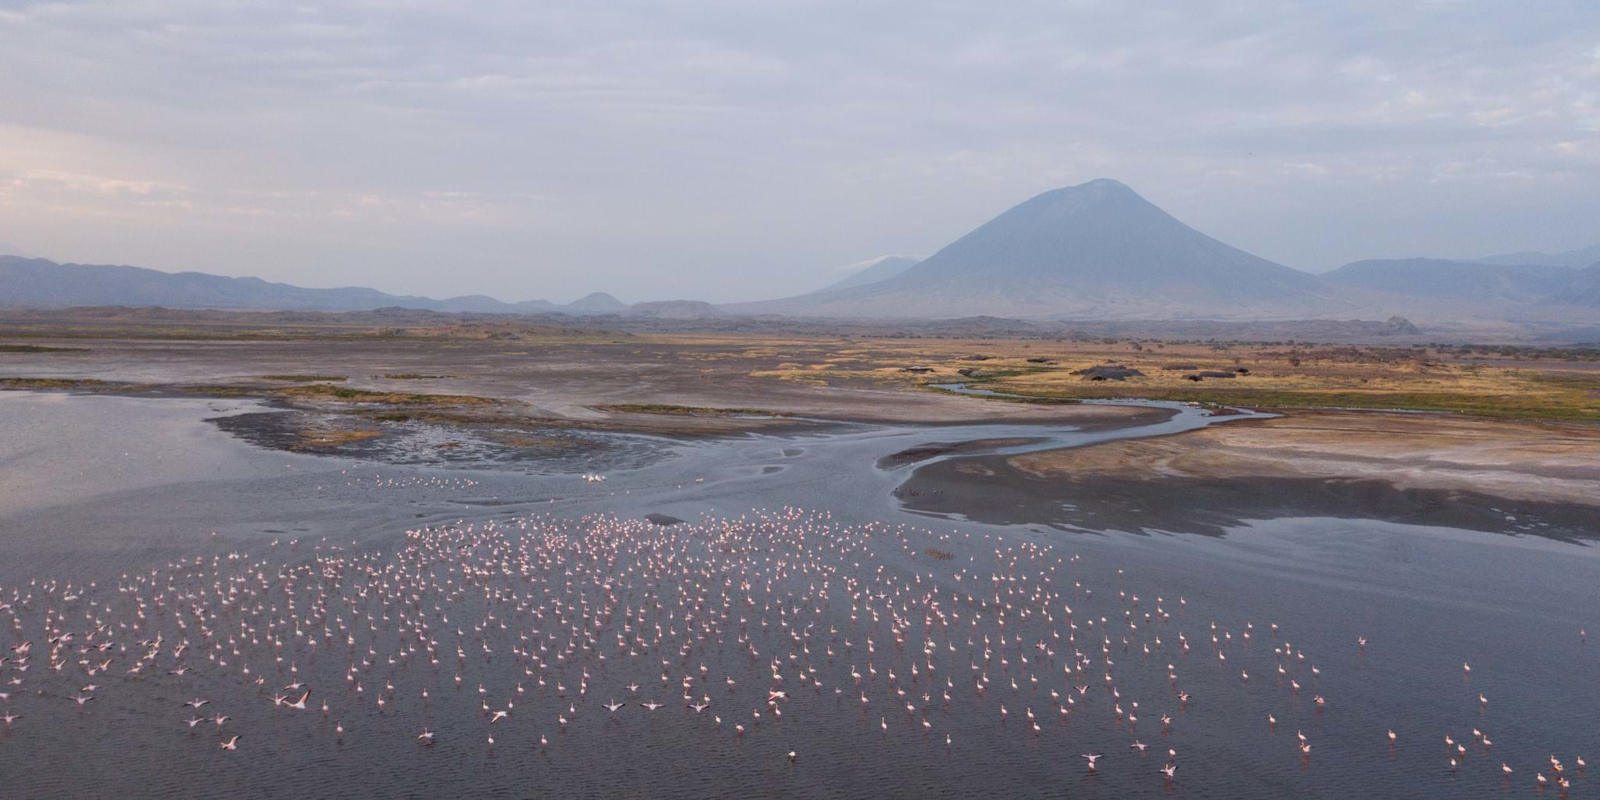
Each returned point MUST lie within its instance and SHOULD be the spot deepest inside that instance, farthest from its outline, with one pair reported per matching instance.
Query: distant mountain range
(36, 282)
(1581, 257)
(1473, 287)
(1096, 251)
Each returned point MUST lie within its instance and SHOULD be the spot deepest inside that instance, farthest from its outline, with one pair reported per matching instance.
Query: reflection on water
(301, 569)
(424, 443)
(59, 448)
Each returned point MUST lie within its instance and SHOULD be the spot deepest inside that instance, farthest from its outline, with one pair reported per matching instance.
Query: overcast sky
(743, 150)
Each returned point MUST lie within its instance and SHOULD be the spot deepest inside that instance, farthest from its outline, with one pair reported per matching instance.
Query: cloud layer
(729, 151)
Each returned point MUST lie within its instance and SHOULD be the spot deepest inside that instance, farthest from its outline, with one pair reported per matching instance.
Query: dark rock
(1109, 372)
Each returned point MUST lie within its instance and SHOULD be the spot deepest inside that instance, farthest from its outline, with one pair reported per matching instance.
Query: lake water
(124, 519)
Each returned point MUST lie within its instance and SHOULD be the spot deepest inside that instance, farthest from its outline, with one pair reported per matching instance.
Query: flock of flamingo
(515, 632)
(408, 482)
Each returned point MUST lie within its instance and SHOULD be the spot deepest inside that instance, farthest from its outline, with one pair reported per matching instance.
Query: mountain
(1582, 257)
(1456, 280)
(42, 283)
(38, 282)
(596, 303)
(1097, 251)
(675, 309)
(871, 271)
(1093, 251)
(1583, 289)
(1474, 288)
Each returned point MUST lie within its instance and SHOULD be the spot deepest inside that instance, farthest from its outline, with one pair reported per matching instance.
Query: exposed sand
(1538, 461)
(1525, 478)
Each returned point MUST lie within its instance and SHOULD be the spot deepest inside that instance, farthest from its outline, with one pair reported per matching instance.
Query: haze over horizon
(725, 154)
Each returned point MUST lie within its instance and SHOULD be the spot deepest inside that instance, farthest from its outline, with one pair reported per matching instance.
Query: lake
(167, 545)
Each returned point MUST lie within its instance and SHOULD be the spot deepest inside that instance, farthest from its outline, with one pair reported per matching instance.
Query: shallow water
(92, 487)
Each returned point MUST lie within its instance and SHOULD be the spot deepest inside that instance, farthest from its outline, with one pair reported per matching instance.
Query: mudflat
(1484, 474)
(471, 388)
(653, 383)
(1547, 461)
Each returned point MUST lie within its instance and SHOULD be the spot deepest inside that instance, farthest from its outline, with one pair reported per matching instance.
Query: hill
(1583, 289)
(1581, 257)
(596, 303)
(1097, 250)
(1473, 288)
(872, 270)
(42, 283)
(1456, 280)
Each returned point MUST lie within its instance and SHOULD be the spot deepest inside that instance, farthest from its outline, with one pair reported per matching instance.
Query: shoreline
(1523, 478)
(774, 412)
(546, 396)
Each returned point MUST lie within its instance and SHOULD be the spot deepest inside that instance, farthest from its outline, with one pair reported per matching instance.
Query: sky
(736, 151)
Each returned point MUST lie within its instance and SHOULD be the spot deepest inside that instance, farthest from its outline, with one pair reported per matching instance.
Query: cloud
(731, 150)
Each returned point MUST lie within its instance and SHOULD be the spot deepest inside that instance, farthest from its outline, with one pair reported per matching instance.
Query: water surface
(93, 488)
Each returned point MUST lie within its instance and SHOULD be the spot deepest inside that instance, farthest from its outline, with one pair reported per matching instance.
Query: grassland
(1526, 385)
(667, 408)
(38, 348)
(329, 439)
(421, 404)
(297, 378)
(326, 391)
(705, 377)
(51, 384)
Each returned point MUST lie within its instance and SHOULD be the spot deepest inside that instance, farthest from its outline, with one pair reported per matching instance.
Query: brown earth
(1520, 460)
(1529, 478)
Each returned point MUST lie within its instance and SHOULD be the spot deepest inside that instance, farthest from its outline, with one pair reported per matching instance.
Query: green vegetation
(212, 390)
(296, 378)
(1583, 382)
(52, 383)
(522, 439)
(39, 348)
(666, 408)
(330, 392)
(326, 438)
(1504, 406)
(1011, 396)
(990, 376)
